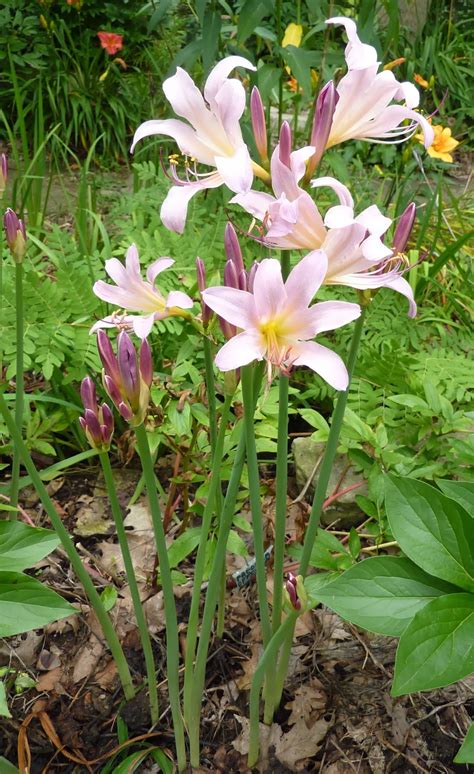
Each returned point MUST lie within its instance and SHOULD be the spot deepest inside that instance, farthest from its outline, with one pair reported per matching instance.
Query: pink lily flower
(277, 322)
(364, 110)
(134, 293)
(211, 136)
(357, 256)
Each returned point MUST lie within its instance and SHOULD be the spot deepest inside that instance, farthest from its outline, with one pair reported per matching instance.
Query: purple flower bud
(243, 280)
(3, 172)
(125, 411)
(285, 144)
(201, 274)
(324, 108)
(227, 329)
(251, 276)
(107, 425)
(93, 425)
(292, 592)
(231, 278)
(128, 368)
(88, 394)
(404, 228)
(112, 389)
(107, 356)
(232, 248)
(259, 126)
(146, 363)
(201, 282)
(15, 234)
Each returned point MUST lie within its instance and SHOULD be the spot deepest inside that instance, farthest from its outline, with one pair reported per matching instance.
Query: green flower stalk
(98, 426)
(109, 632)
(16, 240)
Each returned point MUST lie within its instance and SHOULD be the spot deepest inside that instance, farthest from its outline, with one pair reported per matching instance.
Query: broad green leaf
(109, 597)
(315, 582)
(183, 545)
(4, 711)
(461, 491)
(27, 604)
(235, 544)
(466, 751)
(22, 546)
(382, 594)
(300, 61)
(410, 401)
(251, 14)
(433, 531)
(6, 767)
(437, 647)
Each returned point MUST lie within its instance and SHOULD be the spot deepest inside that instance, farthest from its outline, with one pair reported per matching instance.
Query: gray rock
(306, 454)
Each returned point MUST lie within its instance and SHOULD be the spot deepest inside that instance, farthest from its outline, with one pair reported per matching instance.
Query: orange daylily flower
(111, 42)
(442, 144)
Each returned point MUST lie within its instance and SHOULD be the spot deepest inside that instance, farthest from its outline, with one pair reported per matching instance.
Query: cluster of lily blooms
(263, 315)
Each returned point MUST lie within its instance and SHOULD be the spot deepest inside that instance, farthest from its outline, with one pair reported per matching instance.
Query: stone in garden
(306, 454)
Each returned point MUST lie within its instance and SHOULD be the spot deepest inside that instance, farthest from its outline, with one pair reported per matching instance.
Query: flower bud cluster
(127, 377)
(98, 421)
(15, 235)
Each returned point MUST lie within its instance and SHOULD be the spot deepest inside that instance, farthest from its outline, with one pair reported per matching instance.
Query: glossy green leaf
(382, 594)
(434, 531)
(461, 491)
(6, 767)
(21, 546)
(437, 647)
(109, 597)
(466, 751)
(27, 604)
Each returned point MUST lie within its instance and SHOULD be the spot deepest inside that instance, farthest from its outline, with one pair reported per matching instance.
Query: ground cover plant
(312, 284)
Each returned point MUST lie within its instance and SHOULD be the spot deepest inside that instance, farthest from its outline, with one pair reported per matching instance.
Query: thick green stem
(104, 620)
(211, 392)
(1, 304)
(132, 582)
(200, 563)
(171, 620)
(280, 507)
(255, 502)
(330, 453)
(213, 588)
(267, 660)
(19, 381)
(320, 493)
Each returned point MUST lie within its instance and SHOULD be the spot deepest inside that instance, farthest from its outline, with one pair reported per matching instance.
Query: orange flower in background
(111, 42)
(421, 81)
(442, 144)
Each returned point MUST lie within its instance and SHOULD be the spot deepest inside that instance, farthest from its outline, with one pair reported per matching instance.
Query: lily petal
(175, 206)
(220, 72)
(155, 268)
(236, 170)
(268, 289)
(324, 362)
(329, 315)
(179, 299)
(235, 306)
(306, 278)
(240, 350)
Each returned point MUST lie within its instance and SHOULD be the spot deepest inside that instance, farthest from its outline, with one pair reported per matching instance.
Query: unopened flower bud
(295, 592)
(97, 422)
(404, 228)
(285, 144)
(206, 313)
(3, 172)
(259, 126)
(324, 108)
(15, 234)
(232, 248)
(127, 377)
(251, 276)
(243, 281)
(231, 278)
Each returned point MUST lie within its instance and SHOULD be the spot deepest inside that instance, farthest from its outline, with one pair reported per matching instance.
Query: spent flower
(277, 323)
(135, 294)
